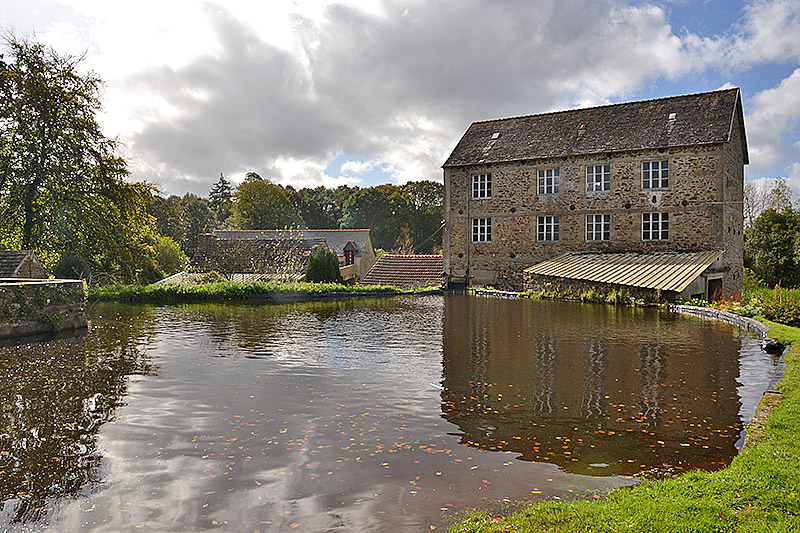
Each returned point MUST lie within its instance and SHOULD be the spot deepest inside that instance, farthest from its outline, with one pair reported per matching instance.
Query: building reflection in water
(594, 389)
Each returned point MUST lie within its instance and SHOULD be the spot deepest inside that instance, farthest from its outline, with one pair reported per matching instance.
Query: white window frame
(481, 230)
(655, 174)
(655, 226)
(482, 186)
(598, 178)
(547, 228)
(598, 228)
(548, 180)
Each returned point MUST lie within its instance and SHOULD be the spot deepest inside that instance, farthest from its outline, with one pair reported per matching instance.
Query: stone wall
(699, 201)
(31, 307)
(536, 282)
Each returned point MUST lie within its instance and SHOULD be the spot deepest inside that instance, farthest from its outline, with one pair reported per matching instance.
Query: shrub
(169, 257)
(323, 266)
(71, 266)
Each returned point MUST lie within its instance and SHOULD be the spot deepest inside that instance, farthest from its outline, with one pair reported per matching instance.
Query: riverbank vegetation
(759, 491)
(230, 291)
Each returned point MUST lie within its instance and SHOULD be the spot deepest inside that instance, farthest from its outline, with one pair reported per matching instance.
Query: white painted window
(481, 186)
(481, 230)
(598, 227)
(655, 174)
(598, 178)
(547, 228)
(655, 226)
(548, 180)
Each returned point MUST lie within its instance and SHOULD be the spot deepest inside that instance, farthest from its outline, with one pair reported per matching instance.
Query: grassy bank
(228, 291)
(759, 491)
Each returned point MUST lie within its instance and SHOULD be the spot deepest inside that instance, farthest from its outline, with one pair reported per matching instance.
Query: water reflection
(54, 397)
(329, 415)
(594, 389)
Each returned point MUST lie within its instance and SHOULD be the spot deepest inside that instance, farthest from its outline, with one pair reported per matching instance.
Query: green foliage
(71, 266)
(168, 256)
(323, 266)
(259, 204)
(769, 247)
(219, 200)
(196, 218)
(258, 290)
(62, 188)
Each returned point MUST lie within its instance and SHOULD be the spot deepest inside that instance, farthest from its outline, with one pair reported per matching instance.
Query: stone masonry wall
(694, 201)
(733, 216)
(31, 307)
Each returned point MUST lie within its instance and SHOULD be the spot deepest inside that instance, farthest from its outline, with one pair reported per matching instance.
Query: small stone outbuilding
(16, 264)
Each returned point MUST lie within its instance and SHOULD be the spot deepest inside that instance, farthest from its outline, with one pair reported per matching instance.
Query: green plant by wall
(323, 266)
(53, 320)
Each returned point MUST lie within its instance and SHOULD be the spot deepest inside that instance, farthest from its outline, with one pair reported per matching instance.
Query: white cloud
(771, 123)
(195, 89)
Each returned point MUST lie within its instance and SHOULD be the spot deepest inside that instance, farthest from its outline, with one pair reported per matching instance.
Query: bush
(169, 257)
(323, 266)
(71, 266)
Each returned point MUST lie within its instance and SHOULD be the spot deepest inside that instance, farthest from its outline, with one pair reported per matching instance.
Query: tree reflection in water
(54, 397)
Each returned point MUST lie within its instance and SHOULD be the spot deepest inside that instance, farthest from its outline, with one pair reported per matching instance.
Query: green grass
(193, 292)
(759, 491)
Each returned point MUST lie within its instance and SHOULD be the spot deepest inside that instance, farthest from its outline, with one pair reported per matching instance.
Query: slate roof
(336, 239)
(12, 260)
(671, 271)
(406, 271)
(699, 119)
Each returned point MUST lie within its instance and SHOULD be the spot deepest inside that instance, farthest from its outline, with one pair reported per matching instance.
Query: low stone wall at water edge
(28, 307)
(753, 326)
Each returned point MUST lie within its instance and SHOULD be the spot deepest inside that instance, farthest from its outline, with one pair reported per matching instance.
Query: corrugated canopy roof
(669, 271)
(695, 119)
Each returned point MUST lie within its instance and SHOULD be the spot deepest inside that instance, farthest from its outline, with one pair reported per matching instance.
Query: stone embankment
(29, 307)
(753, 326)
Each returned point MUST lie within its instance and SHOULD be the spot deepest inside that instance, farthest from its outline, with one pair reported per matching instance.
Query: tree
(384, 209)
(770, 247)
(259, 204)
(758, 196)
(169, 258)
(220, 200)
(323, 266)
(167, 213)
(62, 187)
(196, 218)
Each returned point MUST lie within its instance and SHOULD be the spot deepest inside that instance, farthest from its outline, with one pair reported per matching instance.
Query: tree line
(404, 218)
(64, 191)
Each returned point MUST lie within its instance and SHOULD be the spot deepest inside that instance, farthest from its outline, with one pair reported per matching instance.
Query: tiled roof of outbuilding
(406, 271)
(697, 119)
(11, 260)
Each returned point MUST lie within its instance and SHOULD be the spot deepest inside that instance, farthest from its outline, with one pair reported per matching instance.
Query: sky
(364, 92)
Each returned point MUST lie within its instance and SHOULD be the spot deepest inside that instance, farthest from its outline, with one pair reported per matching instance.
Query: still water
(371, 415)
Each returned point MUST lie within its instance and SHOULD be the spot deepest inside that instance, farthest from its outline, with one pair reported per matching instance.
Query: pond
(364, 415)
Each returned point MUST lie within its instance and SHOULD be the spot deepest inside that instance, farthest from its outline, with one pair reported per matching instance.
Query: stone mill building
(644, 195)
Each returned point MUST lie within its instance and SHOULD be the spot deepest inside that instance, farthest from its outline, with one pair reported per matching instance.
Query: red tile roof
(406, 271)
